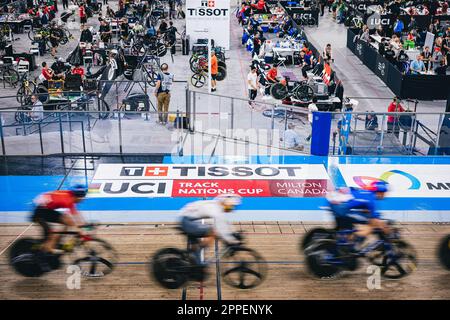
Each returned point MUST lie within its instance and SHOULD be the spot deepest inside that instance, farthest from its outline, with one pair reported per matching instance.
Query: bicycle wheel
(96, 258)
(31, 34)
(304, 93)
(42, 93)
(400, 261)
(314, 234)
(11, 76)
(316, 258)
(150, 76)
(198, 80)
(279, 91)
(25, 91)
(22, 257)
(137, 50)
(444, 252)
(243, 268)
(169, 268)
(222, 73)
(161, 51)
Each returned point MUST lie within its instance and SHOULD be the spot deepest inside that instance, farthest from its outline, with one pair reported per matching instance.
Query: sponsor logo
(365, 181)
(381, 67)
(208, 9)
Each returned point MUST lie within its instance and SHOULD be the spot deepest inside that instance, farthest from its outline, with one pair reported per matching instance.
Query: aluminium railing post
(194, 100)
(82, 137)
(232, 114)
(61, 135)
(272, 125)
(2, 137)
(120, 133)
(438, 133)
(40, 138)
(382, 132)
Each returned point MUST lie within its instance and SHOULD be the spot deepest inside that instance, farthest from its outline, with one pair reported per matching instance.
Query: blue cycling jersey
(360, 199)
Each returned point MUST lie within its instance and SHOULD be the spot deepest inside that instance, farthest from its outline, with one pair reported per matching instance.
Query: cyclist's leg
(200, 236)
(43, 217)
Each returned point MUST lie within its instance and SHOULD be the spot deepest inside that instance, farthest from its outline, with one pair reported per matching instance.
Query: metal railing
(105, 122)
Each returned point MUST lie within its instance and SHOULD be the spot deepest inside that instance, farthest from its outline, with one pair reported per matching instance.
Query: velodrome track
(277, 242)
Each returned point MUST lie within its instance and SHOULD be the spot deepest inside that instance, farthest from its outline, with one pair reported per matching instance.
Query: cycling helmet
(79, 190)
(229, 201)
(378, 186)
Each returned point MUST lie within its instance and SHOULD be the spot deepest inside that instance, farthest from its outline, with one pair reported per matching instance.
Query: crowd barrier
(423, 87)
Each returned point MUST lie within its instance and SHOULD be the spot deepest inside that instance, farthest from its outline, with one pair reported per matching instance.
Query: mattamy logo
(213, 172)
(419, 181)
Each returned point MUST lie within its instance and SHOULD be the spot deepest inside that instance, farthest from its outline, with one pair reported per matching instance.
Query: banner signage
(209, 19)
(159, 180)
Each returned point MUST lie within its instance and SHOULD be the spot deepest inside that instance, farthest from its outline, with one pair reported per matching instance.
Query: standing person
(37, 111)
(312, 107)
(214, 71)
(392, 122)
(82, 14)
(253, 85)
(162, 92)
(105, 2)
(426, 54)
(54, 38)
(327, 53)
(271, 78)
(322, 6)
(65, 4)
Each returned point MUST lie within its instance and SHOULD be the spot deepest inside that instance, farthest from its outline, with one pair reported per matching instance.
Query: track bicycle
(330, 252)
(241, 267)
(95, 257)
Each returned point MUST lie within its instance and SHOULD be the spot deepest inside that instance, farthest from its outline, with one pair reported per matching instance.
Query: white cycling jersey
(210, 209)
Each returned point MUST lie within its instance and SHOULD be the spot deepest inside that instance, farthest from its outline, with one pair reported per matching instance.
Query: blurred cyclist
(191, 222)
(46, 212)
(358, 206)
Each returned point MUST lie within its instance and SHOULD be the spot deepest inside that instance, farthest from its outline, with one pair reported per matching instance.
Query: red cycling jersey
(57, 200)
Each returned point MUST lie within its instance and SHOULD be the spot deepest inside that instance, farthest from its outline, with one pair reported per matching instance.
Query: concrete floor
(224, 113)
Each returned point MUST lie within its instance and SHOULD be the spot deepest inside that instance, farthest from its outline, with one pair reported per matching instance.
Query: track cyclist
(46, 211)
(203, 235)
(352, 206)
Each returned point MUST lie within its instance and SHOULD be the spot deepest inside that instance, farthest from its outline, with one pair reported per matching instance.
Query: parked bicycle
(9, 75)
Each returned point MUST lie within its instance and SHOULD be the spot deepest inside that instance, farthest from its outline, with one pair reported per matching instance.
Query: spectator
(365, 35)
(426, 54)
(322, 4)
(442, 69)
(291, 138)
(164, 83)
(398, 27)
(271, 78)
(371, 122)
(327, 53)
(54, 38)
(392, 122)
(86, 35)
(105, 31)
(214, 71)
(37, 110)
(312, 107)
(306, 63)
(162, 27)
(78, 69)
(253, 85)
(437, 58)
(417, 66)
(82, 14)
(46, 73)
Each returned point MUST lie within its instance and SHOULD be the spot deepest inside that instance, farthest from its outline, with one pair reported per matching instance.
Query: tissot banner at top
(209, 18)
(414, 181)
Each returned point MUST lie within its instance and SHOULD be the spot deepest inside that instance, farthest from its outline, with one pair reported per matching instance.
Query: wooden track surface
(276, 242)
